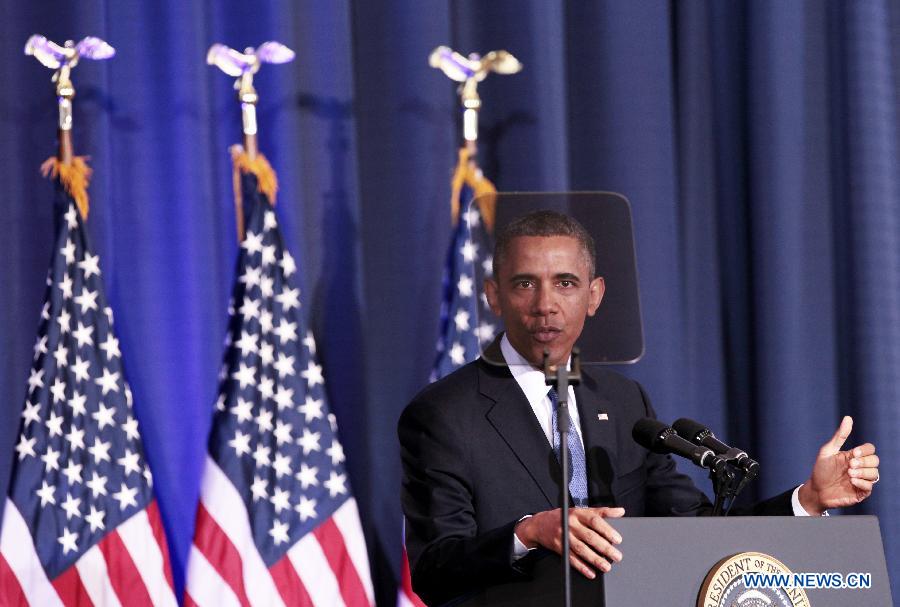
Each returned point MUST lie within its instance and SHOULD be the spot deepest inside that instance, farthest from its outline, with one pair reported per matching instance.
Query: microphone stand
(727, 485)
(560, 380)
(723, 487)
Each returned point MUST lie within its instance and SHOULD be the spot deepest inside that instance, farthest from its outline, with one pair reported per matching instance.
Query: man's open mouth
(545, 334)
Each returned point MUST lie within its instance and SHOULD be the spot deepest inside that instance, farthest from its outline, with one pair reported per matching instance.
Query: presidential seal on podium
(750, 579)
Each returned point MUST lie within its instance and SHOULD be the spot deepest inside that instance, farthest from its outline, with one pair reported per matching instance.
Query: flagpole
(248, 97)
(469, 71)
(73, 172)
(65, 91)
(244, 66)
(471, 102)
(63, 58)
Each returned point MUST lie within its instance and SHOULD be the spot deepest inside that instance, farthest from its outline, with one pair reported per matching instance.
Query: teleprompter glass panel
(614, 335)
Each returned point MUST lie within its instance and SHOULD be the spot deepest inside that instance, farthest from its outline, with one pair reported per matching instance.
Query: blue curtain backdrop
(757, 142)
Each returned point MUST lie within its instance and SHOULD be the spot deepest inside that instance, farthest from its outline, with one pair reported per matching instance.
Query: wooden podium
(667, 560)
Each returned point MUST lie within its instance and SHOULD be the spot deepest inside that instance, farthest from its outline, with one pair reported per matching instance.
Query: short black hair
(543, 223)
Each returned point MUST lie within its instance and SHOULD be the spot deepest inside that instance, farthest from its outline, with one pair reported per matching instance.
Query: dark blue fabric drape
(757, 142)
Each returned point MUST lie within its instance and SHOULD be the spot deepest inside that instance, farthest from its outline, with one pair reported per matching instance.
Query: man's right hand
(592, 540)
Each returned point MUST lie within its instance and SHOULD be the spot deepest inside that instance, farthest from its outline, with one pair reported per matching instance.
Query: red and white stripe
(328, 567)
(129, 566)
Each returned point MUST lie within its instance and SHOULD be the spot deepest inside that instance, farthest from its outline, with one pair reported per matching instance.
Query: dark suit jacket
(475, 460)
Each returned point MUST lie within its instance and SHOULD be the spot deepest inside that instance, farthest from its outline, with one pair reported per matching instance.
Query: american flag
(467, 323)
(277, 523)
(80, 523)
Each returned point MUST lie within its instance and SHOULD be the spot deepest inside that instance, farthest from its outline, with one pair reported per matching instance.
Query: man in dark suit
(481, 473)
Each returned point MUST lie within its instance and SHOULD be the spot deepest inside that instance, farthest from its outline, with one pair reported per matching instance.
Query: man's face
(544, 292)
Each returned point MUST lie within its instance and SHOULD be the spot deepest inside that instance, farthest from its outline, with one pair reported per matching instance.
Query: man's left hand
(840, 478)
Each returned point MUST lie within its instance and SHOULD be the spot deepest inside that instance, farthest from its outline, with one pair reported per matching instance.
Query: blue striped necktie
(577, 466)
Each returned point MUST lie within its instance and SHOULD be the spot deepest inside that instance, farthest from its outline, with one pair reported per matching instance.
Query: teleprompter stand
(560, 379)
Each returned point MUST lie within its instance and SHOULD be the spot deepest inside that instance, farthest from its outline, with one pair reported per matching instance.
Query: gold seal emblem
(724, 585)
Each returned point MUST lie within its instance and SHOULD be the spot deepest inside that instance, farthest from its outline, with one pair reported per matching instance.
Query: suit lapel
(512, 418)
(598, 431)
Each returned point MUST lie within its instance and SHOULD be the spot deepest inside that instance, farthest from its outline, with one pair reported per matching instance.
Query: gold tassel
(75, 178)
(259, 166)
(468, 173)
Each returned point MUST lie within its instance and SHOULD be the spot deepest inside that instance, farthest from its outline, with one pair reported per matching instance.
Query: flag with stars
(80, 523)
(277, 523)
(467, 323)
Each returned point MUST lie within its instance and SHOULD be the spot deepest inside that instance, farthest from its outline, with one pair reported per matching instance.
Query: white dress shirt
(533, 384)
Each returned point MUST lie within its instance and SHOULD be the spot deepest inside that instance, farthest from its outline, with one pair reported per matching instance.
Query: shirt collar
(529, 378)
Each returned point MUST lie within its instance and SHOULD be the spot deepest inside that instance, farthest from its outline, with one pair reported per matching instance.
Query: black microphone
(654, 435)
(699, 434)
